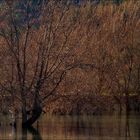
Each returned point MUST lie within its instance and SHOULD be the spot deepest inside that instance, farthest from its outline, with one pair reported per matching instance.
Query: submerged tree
(35, 53)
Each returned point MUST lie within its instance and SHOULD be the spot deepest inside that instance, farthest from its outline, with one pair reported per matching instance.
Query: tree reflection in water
(127, 128)
(75, 128)
(34, 132)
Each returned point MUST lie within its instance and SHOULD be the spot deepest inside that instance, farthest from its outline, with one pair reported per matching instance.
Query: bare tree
(37, 55)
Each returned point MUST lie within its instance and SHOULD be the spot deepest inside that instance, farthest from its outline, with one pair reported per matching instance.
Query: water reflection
(34, 132)
(127, 128)
(75, 128)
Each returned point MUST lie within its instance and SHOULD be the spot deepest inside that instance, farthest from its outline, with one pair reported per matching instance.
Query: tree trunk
(36, 112)
(127, 104)
(24, 112)
(24, 115)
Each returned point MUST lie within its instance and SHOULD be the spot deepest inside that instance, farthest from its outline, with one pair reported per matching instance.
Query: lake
(75, 128)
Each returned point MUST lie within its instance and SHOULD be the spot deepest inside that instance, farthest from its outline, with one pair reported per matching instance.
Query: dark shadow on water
(127, 128)
(34, 132)
(24, 134)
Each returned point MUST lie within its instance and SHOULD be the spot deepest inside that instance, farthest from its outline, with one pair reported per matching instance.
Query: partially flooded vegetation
(69, 58)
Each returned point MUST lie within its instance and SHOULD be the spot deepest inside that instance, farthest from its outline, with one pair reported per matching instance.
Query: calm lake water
(75, 128)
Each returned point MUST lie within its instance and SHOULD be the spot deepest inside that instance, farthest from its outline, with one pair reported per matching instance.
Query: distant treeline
(74, 1)
(99, 1)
